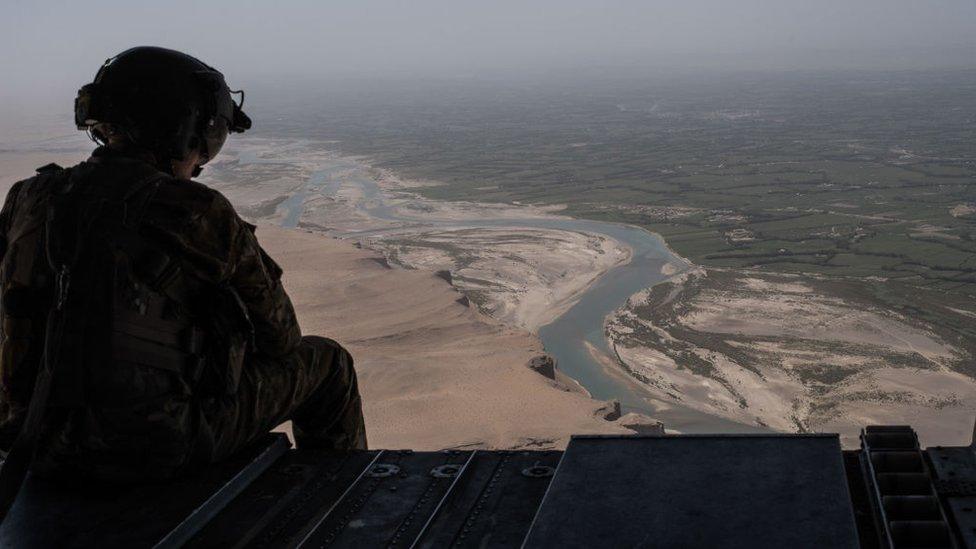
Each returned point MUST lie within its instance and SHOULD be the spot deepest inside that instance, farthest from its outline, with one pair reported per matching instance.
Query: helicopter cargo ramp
(766, 490)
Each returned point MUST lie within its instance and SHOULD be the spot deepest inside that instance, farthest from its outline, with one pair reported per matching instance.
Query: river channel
(565, 338)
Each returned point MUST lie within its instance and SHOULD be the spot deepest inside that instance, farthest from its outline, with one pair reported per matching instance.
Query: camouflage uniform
(309, 380)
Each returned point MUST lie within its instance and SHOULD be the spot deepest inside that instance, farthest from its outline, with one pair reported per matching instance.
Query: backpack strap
(64, 231)
(49, 168)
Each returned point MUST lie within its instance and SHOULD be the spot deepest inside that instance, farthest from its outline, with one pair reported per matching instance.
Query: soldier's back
(125, 385)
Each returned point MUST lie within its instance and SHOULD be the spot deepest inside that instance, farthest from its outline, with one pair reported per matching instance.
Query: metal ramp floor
(656, 491)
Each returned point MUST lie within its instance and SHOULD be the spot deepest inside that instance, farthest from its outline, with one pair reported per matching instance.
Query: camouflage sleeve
(257, 279)
(221, 248)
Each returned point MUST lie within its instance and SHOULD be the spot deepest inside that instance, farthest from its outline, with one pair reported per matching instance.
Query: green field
(839, 174)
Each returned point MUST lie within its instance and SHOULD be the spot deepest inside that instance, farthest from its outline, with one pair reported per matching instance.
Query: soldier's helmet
(164, 101)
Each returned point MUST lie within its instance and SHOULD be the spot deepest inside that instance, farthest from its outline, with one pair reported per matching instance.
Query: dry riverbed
(794, 354)
(524, 276)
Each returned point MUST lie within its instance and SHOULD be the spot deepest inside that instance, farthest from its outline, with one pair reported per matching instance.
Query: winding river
(576, 338)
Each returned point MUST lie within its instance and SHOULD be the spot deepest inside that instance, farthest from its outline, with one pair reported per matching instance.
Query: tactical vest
(103, 342)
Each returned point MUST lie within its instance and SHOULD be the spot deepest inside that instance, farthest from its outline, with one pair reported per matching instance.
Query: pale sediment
(793, 353)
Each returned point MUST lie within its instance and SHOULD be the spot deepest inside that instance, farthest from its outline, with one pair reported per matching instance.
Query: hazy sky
(51, 47)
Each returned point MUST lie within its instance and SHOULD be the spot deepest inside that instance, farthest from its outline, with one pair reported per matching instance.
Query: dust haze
(51, 48)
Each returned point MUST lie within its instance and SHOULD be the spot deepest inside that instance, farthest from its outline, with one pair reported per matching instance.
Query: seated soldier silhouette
(145, 332)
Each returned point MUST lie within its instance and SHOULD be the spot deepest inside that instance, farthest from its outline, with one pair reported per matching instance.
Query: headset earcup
(87, 106)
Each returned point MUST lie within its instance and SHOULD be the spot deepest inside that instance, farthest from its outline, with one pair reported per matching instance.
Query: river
(565, 338)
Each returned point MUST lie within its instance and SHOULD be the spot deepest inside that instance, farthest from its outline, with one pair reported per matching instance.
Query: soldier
(144, 330)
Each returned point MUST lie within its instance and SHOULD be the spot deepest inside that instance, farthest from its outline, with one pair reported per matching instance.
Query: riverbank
(523, 265)
(433, 371)
(512, 263)
(523, 277)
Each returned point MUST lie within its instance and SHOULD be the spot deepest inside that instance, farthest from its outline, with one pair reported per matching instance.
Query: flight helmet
(165, 101)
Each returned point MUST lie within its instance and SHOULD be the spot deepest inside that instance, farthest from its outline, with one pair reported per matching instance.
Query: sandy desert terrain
(434, 372)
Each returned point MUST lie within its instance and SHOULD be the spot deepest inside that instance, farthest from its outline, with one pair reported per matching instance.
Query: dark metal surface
(281, 506)
(955, 482)
(54, 514)
(388, 498)
(671, 491)
(909, 511)
(493, 502)
(866, 516)
(698, 491)
(188, 527)
(388, 510)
